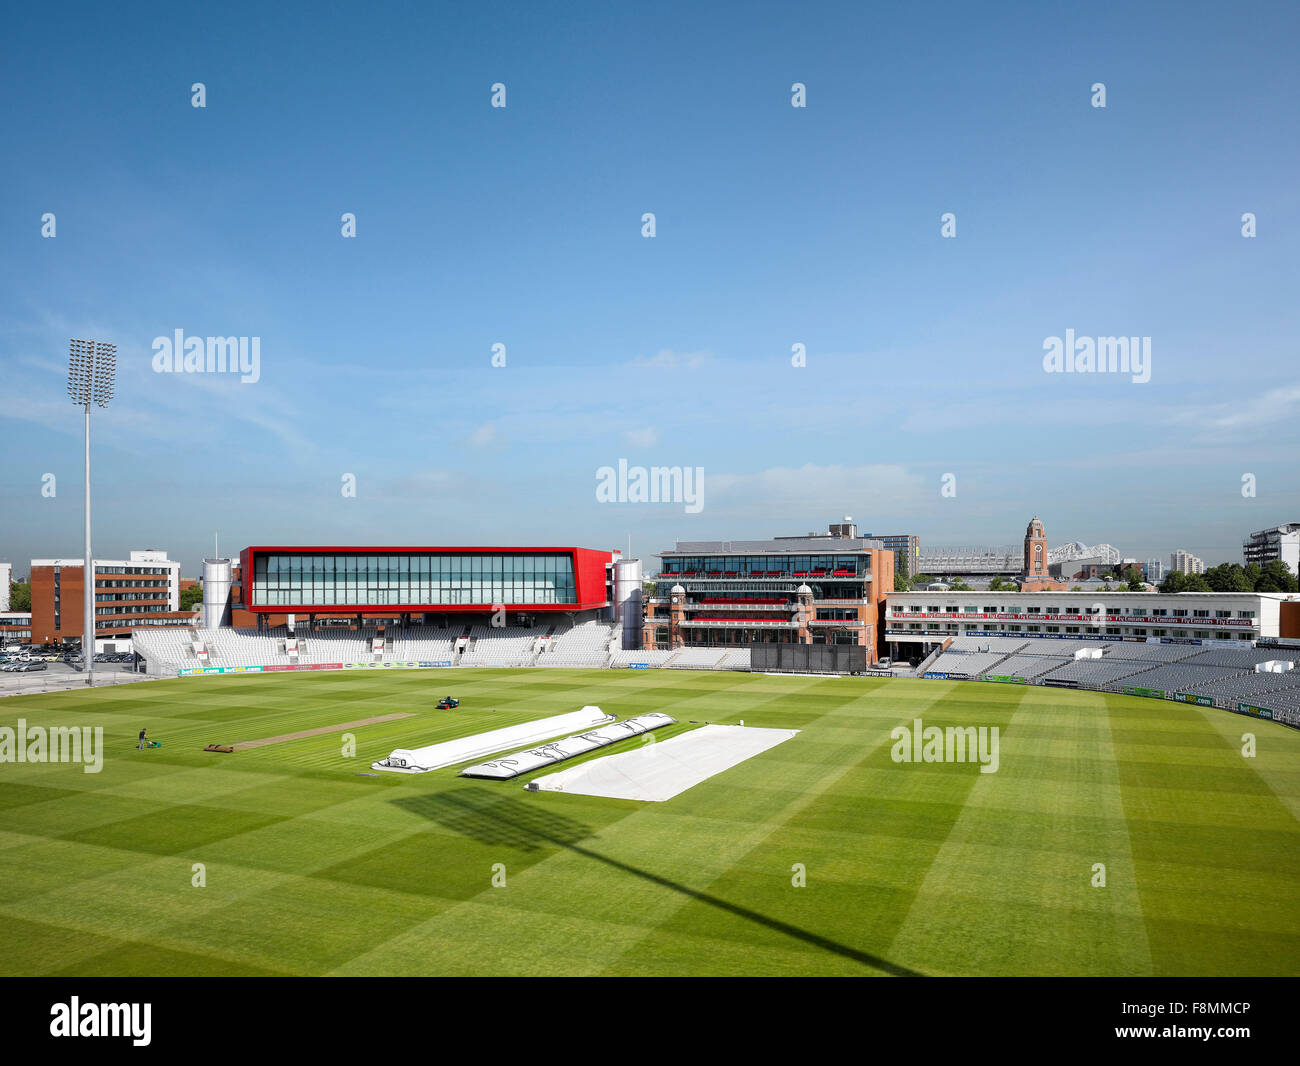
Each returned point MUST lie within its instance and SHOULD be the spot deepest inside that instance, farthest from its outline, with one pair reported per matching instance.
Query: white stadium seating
(1095, 672)
(625, 657)
(1225, 675)
(1178, 677)
(419, 644)
(971, 663)
(1246, 687)
(1164, 653)
(507, 646)
(736, 659)
(697, 659)
(1241, 658)
(1028, 666)
(586, 644)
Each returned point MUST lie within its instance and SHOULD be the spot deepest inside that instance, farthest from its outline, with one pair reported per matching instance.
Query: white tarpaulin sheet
(660, 771)
(463, 749)
(523, 762)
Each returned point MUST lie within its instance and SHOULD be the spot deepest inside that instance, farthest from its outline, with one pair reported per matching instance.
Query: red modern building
(420, 585)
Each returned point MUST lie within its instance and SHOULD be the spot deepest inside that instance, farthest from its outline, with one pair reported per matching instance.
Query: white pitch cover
(463, 749)
(661, 771)
(522, 762)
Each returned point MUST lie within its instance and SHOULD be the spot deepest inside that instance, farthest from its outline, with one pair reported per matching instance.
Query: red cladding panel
(588, 572)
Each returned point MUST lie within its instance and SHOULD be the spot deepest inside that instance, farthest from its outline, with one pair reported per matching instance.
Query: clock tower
(1035, 575)
(1035, 552)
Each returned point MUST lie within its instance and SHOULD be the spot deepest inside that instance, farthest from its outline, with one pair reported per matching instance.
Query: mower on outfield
(448, 703)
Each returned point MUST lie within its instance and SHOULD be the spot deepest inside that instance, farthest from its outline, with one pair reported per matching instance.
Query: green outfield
(922, 868)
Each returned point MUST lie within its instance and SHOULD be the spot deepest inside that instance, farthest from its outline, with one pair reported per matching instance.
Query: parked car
(29, 667)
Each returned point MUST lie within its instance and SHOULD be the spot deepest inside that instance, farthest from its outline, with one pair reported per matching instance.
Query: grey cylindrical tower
(627, 600)
(216, 593)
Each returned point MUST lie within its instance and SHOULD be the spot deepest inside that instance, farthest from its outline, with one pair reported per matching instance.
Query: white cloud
(813, 493)
(645, 437)
(1272, 406)
(667, 359)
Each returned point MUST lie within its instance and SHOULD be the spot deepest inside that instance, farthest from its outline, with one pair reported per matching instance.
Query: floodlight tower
(92, 370)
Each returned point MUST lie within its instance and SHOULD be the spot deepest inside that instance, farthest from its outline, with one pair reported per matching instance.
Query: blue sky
(775, 226)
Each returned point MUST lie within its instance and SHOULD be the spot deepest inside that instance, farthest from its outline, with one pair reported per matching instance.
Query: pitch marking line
(244, 745)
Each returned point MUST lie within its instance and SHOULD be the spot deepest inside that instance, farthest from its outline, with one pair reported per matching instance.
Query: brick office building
(140, 591)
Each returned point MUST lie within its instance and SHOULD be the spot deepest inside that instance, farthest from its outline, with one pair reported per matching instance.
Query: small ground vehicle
(448, 703)
(29, 667)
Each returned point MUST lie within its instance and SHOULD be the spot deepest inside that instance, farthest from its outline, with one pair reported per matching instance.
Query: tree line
(1226, 577)
(1233, 577)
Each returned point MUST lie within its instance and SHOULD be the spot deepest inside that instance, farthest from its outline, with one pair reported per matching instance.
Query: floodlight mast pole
(92, 370)
(88, 575)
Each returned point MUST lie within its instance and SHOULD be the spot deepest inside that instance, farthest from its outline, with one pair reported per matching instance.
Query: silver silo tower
(216, 593)
(627, 600)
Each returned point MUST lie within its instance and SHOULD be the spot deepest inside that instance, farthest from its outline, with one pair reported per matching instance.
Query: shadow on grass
(491, 818)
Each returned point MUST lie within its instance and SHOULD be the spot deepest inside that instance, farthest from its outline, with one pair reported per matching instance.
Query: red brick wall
(882, 583)
(71, 600)
(71, 594)
(1288, 621)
